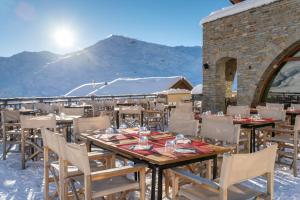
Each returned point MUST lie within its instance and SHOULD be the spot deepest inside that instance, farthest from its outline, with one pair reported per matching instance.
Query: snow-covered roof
(131, 86)
(84, 89)
(175, 91)
(197, 89)
(236, 8)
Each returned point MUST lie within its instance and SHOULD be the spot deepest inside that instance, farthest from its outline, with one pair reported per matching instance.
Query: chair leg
(175, 185)
(142, 184)
(270, 185)
(63, 169)
(46, 173)
(4, 144)
(87, 187)
(23, 148)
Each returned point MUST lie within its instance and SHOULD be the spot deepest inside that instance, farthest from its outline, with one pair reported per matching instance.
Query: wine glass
(169, 145)
(143, 141)
(123, 126)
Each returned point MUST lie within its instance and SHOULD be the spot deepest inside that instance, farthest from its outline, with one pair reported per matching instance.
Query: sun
(64, 37)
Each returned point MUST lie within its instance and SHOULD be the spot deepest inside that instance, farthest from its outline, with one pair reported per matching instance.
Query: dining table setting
(159, 150)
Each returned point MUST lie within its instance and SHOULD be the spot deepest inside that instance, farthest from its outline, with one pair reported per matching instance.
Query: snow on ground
(17, 184)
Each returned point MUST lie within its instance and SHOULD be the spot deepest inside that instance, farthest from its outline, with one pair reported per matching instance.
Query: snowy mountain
(287, 79)
(48, 74)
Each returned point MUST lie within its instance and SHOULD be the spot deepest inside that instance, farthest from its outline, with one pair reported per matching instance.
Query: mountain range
(50, 74)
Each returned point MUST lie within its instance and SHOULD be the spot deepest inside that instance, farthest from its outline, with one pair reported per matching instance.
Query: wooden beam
(292, 59)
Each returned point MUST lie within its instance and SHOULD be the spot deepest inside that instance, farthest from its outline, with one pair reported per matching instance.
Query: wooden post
(46, 173)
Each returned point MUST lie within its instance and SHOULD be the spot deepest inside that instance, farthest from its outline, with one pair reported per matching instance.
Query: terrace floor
(17, 184)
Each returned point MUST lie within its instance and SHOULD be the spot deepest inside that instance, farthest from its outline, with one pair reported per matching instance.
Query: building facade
(251, 40)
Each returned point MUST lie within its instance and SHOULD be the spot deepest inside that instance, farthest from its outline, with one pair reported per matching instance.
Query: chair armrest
(277, 130)
(286, 126)
(195, 178)
(99, 155)
(120, 171)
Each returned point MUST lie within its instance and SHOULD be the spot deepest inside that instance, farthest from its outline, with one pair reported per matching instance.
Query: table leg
(253, 139)
(215, 167)
(293, 118)
(159, 184)
(153, 183)
(142, 118)
(117, 119)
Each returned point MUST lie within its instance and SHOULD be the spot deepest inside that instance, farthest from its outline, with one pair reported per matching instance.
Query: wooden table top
(154, 158)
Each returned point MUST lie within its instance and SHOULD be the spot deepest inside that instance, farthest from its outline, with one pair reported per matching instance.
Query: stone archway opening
(277, 78)
(226, 74)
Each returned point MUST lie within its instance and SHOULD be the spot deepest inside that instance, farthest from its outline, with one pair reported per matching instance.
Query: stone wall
(255, 38)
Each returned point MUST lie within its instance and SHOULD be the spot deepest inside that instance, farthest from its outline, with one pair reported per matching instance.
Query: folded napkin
(185, 150)
(141, 147)
(183, 141)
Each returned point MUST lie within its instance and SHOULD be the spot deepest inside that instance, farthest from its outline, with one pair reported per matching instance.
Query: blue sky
(30, 25)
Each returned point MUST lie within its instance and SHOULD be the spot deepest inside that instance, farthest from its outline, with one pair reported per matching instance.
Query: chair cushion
(74, 171)
(202, 192)
(109, 186)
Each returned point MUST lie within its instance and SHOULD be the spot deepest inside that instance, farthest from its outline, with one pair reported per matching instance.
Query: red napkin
(142, 152)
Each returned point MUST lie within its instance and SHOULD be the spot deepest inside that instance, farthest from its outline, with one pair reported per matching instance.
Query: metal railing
(286, 98)
(18, 101)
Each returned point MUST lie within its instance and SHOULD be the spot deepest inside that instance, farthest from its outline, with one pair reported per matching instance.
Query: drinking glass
(143, 141)
(170, 145)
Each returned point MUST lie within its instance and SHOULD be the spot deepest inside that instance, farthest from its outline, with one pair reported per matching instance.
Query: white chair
(100, 183)
(235, 169)
(220, 129)
(52, 145)
(89, 124)
(72, 111)
(243, 111)
(185, 127)
(10, 129)
(288, 142)
(31, 135)
(274, 113)
(44, 108)
(275, 105)
(295, 106)
(131, 115)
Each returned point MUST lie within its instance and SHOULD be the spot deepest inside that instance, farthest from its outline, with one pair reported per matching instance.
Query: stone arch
(271, 72)
(226, 69)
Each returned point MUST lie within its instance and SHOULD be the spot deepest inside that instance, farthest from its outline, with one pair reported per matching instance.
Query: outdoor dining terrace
(143, 147)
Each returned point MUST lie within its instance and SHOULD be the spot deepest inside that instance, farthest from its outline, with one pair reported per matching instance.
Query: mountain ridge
(45, 73)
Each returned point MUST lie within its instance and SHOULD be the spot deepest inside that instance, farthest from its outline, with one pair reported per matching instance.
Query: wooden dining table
(253, 125)
(157, 158)
(249, 123)
(289, 112)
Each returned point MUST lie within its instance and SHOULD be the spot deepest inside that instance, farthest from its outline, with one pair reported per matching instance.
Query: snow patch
(236, 8)
(197, 89)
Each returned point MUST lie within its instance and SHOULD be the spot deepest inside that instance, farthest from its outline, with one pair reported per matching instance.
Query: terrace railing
(18, 101)
(283, 97)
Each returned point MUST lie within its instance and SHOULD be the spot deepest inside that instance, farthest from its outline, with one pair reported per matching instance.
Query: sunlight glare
(64, 37)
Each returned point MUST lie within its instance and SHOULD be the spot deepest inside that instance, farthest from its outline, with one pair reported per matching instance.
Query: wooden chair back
(244, 111)
(274, 113)
(27, 106)
(295, 106)
(240, 167)
(275, 105)
(33, 122)
(45, 108)
(71, 111)
(185, 127)
(220, 128)
(10, 116)
(51, 140)
(131, 110)
(91, 123)
(75, 154)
